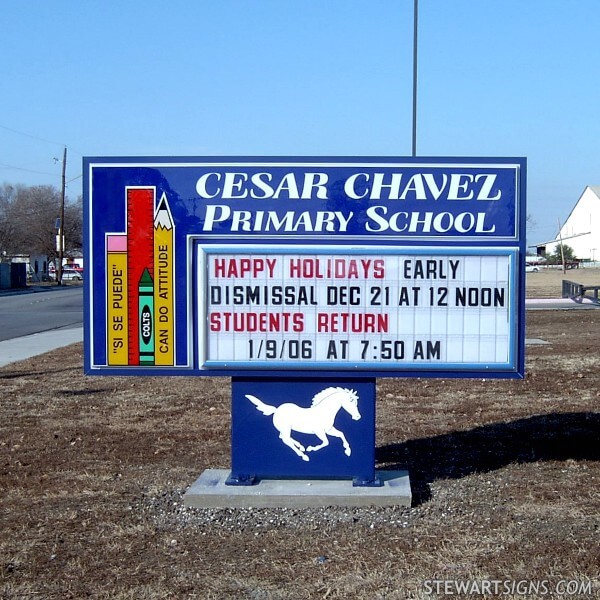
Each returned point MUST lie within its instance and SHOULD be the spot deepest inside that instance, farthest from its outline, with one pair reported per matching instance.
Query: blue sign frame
(149, 221)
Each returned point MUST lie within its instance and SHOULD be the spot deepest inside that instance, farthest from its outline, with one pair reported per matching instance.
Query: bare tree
(7, 227)
(28, 220)
(35, 213)
(74, 225)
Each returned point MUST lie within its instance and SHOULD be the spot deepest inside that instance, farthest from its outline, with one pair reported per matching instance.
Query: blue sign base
(303, 429)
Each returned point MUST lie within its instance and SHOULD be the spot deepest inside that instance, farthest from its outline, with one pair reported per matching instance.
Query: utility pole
(414, 119)
(61, 229)
(562, 248)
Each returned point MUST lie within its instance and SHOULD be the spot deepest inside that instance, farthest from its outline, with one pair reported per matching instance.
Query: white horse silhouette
(318, 419)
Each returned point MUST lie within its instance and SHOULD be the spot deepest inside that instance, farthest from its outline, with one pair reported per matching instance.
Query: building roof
(557, 239)
(595, 189)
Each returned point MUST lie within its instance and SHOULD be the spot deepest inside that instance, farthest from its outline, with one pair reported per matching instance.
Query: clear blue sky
(304, 77)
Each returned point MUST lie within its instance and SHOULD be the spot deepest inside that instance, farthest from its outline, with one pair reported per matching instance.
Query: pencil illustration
(116, 269)
(164, 261)
(146, 319)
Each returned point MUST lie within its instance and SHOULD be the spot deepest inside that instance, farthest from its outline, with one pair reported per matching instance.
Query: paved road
(33, 311)
(38, 320)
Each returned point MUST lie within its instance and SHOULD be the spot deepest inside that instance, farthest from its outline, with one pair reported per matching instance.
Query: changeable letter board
(354, 309)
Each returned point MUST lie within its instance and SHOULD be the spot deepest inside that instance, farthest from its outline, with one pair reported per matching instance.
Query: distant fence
(573, 290)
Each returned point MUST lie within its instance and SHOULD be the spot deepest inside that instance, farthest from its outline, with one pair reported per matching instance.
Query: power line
(38, 138)
(27, 170)
(33, 137)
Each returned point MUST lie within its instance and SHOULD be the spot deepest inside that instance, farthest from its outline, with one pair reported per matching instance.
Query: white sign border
(204, 249)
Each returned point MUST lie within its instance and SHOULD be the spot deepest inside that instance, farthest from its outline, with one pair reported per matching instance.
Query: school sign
(322, 272)
(363, 266)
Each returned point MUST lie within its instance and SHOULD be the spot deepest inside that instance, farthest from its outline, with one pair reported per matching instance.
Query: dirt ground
(547, 282)
(505, 477)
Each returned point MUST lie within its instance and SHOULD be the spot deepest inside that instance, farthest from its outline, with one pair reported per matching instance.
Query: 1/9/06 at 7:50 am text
(382, 350)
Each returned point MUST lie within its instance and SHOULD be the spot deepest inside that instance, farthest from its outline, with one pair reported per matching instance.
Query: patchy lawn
(505, 476)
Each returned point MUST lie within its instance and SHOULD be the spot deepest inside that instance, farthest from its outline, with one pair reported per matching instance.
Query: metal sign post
(301, 277)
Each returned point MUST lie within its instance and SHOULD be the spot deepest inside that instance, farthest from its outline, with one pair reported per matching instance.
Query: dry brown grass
(547, 283)
(505, 474)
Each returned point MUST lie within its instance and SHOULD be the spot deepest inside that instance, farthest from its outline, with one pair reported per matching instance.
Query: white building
(581, 230)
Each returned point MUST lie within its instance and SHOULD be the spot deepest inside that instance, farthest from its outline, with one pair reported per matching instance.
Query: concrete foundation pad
(210, 491)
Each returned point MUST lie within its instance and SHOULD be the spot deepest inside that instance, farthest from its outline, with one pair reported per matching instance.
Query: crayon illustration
(146, 318)
(140, 256)
(116, 269)
(164, 284)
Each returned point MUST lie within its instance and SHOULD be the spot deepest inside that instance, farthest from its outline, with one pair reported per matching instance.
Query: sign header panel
(366, 266)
